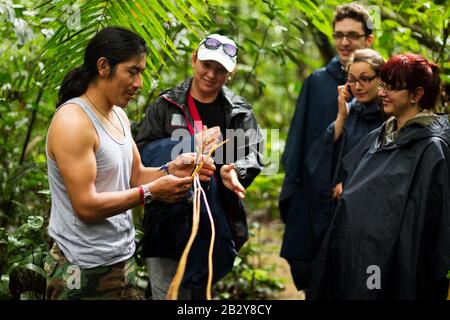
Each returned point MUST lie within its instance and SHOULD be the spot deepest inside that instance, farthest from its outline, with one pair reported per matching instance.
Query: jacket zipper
(188, 123)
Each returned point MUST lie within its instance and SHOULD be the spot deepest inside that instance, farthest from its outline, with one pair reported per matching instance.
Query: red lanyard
(194, 114)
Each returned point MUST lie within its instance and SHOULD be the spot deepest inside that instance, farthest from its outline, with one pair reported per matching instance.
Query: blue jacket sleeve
(161, 151)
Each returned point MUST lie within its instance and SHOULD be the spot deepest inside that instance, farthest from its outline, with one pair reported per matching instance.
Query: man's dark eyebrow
(137, 68)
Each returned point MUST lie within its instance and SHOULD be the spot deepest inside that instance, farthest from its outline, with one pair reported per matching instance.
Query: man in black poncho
(316, 109)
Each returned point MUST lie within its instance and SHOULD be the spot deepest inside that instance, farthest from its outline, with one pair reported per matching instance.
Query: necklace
(106, 117)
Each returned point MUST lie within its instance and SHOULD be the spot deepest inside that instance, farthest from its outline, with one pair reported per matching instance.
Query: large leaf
(33, 267)
(151, 19)
(318, 19)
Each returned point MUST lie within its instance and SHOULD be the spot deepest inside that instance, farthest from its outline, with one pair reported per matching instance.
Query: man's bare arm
(72, 142)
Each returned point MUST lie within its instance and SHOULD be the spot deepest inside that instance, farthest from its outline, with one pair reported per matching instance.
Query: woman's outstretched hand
(230, 180)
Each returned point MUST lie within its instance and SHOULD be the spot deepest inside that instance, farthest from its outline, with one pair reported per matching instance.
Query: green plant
(249, 279)
(22, 252)
(142, 282)
(262, 196)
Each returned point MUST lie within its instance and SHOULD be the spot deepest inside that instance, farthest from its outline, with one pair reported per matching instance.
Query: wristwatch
(148, 197)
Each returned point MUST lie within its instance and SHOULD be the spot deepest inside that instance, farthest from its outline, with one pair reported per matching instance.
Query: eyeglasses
(364, 80)
(388, 88)
(214, 44)
(351, 36)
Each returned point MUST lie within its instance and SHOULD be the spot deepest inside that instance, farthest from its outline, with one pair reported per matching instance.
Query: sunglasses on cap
(214, 44)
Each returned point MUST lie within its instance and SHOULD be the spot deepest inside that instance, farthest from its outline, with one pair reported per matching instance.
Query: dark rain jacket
(323, 166)
(316, 109)
(390, 235)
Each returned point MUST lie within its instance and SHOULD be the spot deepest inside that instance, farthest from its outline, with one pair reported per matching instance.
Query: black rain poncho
(394, 214)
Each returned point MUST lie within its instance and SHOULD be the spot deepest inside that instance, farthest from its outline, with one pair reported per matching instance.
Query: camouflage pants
(66, 281)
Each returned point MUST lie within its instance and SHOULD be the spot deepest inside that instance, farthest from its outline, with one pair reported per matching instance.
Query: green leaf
(35, 222)
(137, 15)
(14, 242)
(199, 9)
(35, 268)
(3, 234)
(179, 15)
(4, 289)
(318, 19)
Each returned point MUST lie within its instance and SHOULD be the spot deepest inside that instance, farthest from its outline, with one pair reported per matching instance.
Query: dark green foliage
(21, 258)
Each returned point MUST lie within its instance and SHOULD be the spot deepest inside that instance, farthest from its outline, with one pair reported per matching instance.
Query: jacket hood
(336, 69)
(441, 128)
(421, 128)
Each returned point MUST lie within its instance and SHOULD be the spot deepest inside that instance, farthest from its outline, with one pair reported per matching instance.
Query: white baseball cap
(221, 54)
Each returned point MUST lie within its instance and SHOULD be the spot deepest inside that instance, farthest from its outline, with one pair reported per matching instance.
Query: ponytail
(435, 85)
(75, 83)
(436, 71)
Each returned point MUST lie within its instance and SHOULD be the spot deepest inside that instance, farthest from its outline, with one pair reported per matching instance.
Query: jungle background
(280, 43)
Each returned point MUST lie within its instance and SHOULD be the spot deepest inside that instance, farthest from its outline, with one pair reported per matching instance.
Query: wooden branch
(326, 49)
(417, 31)
(31, 125)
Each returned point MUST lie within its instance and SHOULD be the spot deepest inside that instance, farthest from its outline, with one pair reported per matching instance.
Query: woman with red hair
(390, 234)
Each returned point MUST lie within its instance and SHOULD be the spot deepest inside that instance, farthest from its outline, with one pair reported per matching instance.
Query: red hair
(413, 71)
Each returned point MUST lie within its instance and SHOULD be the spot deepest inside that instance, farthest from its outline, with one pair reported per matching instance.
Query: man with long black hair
(96, 175)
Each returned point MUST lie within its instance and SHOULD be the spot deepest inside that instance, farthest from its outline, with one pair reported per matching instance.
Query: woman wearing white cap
(202, 100)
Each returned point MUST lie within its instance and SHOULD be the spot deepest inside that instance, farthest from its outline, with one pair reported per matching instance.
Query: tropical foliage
(280, 43)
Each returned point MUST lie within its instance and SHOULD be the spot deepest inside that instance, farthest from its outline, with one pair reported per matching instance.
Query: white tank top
(111, 240)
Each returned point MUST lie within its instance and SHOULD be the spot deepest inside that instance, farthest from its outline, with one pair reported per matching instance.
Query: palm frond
(150, 18)
(318, 19)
